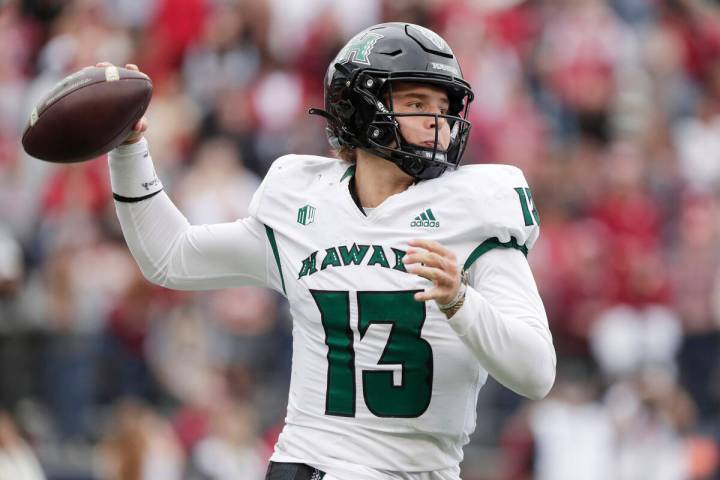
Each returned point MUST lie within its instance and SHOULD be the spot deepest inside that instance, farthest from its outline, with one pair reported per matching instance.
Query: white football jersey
(379, 379)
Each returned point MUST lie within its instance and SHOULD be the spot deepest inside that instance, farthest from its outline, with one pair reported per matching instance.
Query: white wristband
(132, 173)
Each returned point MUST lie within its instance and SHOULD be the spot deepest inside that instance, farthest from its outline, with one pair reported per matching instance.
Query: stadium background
(612, 109)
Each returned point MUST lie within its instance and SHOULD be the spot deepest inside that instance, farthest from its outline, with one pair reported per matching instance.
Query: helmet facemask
(383, 136)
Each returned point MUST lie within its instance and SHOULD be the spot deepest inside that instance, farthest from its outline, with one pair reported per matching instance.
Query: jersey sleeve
(506, 217)
(171, 252)
(269, 186)
(503, 322)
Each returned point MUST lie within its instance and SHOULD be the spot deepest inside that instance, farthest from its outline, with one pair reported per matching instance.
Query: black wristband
(120, 198)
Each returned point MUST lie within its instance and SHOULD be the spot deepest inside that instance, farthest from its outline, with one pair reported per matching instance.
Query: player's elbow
(155, 271)
(158, 268)
(541, 384)
(541, 377)
(156, 276)
(163, 279)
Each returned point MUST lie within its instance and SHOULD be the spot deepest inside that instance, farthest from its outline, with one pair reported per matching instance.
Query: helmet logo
(436, 39)
(358, 49)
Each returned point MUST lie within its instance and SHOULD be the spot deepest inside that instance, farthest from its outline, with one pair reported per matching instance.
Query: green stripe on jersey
(488, 245)
(271, 238)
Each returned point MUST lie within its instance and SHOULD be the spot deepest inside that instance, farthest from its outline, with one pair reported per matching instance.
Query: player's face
(421, 98)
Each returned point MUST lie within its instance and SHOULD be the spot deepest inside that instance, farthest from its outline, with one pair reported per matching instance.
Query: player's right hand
(142, 125)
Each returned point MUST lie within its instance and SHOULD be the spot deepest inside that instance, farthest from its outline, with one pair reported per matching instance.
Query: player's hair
(347, 153)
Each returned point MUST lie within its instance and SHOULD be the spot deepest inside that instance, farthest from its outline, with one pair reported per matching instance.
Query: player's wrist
(140, 145)
(451, 308)
(132, 173)
(132, 140)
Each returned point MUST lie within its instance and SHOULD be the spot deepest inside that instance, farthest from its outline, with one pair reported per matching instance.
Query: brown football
(87, 114)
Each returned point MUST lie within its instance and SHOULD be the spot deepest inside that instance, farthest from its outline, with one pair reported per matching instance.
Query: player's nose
(431, 121)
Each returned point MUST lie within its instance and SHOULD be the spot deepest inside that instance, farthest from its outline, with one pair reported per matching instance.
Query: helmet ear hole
(345, 109)
(381, 135)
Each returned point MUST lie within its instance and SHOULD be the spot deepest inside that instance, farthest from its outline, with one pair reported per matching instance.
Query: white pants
(355, 472)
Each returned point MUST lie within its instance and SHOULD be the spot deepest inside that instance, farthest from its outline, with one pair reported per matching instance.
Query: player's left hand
(431, 260)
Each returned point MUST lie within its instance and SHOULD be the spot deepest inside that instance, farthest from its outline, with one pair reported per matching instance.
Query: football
(87, 114)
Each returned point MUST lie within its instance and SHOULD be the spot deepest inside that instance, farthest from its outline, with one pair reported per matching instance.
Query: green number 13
(404, 346)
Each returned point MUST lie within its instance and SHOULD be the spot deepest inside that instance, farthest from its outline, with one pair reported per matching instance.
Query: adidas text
(425, 223)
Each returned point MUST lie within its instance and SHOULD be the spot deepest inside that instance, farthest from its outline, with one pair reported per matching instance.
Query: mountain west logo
(436, 39)
(359, 48)
(306, 215)
(425, 219)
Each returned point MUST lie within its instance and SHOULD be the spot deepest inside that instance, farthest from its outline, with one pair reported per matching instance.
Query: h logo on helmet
(359, 48)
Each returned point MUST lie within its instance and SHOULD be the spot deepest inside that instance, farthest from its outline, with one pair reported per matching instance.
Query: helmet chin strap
(421, 163)
(435, 159)
(417, 168)
(410, 160)
(428, 153)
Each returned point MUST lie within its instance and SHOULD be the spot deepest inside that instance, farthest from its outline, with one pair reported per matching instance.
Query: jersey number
(404, 346)
(526, 200)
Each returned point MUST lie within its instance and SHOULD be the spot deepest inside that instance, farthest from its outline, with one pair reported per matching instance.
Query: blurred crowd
(611, 108)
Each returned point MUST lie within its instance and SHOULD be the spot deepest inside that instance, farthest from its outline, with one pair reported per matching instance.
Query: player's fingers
(132, 66)
(425, 295)
(432, 246)
(449, 264)
(434, 293)
(430, 259)
(425, 272)
(433, 259)
(137, 131)
(435, 275)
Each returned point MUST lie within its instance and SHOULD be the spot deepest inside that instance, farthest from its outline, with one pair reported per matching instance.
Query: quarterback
(406, 274)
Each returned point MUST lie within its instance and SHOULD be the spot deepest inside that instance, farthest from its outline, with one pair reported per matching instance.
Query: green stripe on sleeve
(271, 237)
(488, 245)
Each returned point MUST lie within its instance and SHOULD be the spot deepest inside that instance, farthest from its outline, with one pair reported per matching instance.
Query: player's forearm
(513, 350)
(153, 237)
(149, 222)
(169, 251)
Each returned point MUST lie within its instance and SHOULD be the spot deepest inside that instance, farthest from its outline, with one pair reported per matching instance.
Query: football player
(406, 275)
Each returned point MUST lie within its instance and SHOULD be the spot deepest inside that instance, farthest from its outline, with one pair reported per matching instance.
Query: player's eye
(416, 105)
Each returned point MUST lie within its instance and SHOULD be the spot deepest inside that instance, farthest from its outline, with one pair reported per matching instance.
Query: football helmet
(358, 96)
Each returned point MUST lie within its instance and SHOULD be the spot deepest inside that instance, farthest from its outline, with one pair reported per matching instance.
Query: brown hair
(347, 153)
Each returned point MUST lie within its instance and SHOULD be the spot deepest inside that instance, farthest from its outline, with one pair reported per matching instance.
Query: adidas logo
(425, 219)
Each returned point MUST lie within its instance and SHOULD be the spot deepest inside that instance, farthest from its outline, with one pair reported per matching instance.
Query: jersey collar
(348, 173)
